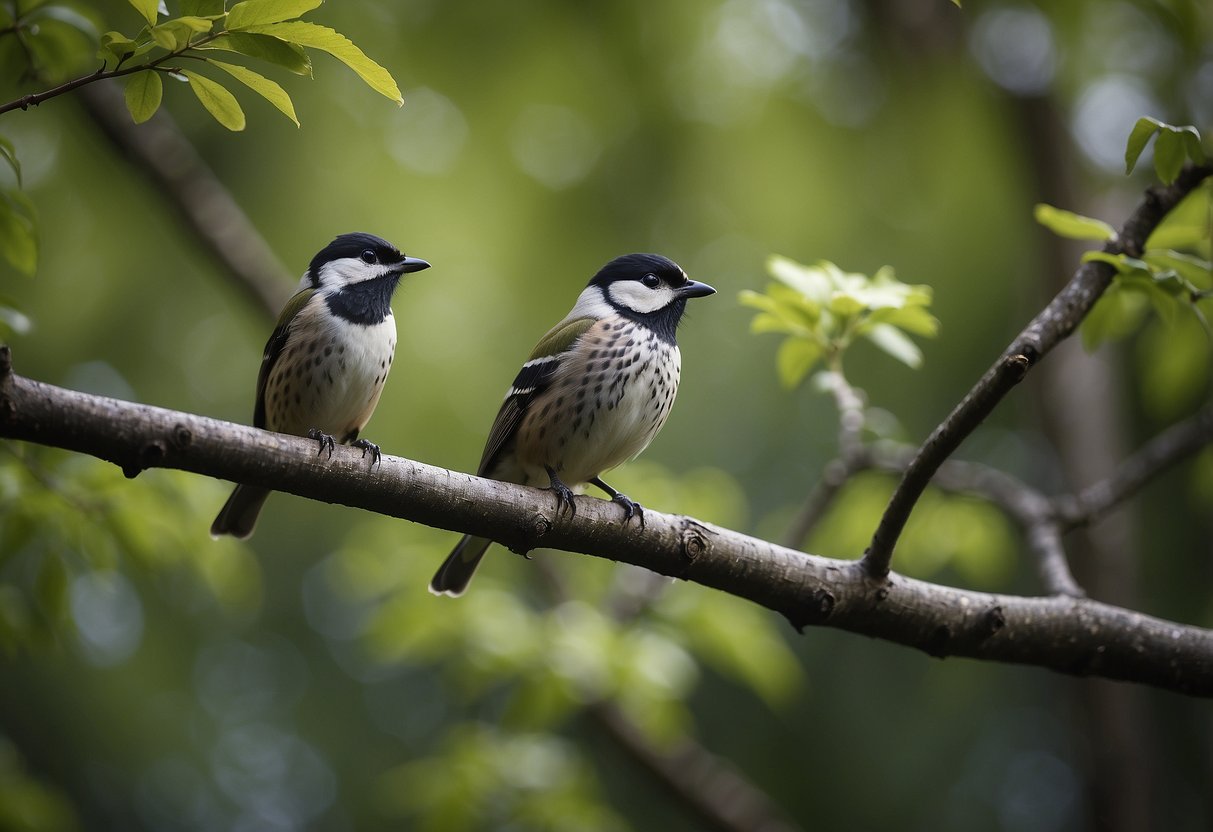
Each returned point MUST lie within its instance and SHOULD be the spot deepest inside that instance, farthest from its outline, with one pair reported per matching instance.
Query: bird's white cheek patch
(640, 298)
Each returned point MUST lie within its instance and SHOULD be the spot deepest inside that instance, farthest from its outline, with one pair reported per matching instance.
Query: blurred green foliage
(823, 309)
(155, 679)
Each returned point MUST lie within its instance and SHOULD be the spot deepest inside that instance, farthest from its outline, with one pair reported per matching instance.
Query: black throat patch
(367, 302)
(663, 322)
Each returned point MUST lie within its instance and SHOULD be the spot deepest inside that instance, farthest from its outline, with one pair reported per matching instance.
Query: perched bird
(325, 364)
(592, 395)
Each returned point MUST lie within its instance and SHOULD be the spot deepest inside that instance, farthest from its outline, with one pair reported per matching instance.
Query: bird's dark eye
(650, 280)
(369, 257)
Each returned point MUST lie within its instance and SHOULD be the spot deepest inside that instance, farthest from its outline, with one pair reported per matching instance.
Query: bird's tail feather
(453, 577)
(239, 514)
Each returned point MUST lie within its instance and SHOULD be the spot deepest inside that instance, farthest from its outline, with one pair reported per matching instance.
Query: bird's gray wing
(534, 377)
(273, 349)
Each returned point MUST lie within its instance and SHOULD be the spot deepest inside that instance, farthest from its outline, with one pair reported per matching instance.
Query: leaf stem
(102, 74)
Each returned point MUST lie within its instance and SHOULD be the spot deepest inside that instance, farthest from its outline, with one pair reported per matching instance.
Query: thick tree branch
(1069, 635)
(1052, 325)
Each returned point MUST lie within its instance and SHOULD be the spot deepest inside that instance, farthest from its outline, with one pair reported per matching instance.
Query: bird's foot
(371, 448)
(324, 439)
(564, 494)
(631, 508)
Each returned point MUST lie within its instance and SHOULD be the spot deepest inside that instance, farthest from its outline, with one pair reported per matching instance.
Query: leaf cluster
(1172, 147)
(66, 520)
(823, 310)
(630, 638)
(264, 30)
(1174, 274)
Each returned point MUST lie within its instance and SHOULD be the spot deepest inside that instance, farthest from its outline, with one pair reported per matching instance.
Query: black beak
(695, 289)
(412, 264)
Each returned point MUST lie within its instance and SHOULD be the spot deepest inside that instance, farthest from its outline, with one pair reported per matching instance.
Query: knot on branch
(991, 622)
(183, 437)
(151, 455)
(693, 544)
(816, 610)
(538, 527)
(534, 529)
(1017, 365)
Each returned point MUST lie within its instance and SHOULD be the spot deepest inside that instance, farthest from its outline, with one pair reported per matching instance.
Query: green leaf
(1191, 142)
(114, 46)
(202, 8)
(264, 48)
(176, 34)
(896, 343)
(143, 93)
(1074, 226)
(1168, 155)
(340, 47)
(795, 358)
(1142, 131)
(267, 89)
(1193, 269)
(18, 240)
(914, 319)
(147, 8)
(217, 100)
(1116, 314)
(261, 12)
(810, 281)
(756, 300)
(166, 37)
(8, 152)
(1123, 263)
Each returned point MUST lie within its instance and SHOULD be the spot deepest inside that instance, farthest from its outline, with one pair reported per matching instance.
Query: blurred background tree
(155, 679)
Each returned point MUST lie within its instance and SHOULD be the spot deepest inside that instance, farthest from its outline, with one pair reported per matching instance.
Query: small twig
(1026, 506)
(1169, 447)
(101, 74)
(1053, 324)
(852, 456)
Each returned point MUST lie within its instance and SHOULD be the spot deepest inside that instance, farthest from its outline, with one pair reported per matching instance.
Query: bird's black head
(357, 273)
(649, 289)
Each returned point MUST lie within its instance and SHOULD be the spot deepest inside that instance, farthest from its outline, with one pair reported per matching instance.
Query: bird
(325, 364)
(592, 394)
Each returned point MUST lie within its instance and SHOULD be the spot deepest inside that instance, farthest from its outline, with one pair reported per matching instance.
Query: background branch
(1052, 325)
(162, 153)
(1171, 446)
(1070, 635)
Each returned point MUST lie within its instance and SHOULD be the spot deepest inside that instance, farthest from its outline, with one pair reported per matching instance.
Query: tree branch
(1052, 325)
(1169, 447)
(103, 74)
(717, 793)
(1069, 635)
(161, 152)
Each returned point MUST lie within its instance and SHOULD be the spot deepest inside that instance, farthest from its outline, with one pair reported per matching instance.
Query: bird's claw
(369, 447)
(324, 439)
(631, 508)
(564, 494)
(564, 498)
